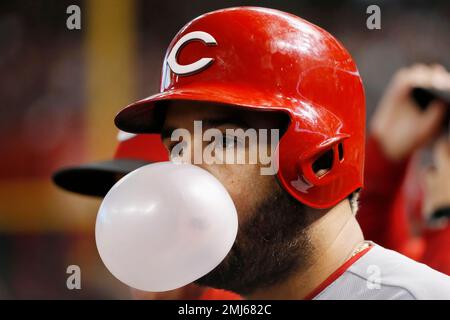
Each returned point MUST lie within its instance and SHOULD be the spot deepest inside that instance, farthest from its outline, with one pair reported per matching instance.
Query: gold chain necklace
(364, 245)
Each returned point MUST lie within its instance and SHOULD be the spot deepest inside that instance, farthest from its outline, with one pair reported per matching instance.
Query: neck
(335, 236)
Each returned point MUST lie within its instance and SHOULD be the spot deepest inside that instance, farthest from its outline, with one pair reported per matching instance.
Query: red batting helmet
(266, 59)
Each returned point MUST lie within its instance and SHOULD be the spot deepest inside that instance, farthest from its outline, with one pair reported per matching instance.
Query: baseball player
(95, 179)
(389, 192)
(256, 68)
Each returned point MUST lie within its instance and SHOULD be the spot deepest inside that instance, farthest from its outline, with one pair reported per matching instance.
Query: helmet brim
(140, 116)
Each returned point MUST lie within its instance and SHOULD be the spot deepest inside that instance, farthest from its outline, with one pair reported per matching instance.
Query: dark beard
(269, 248)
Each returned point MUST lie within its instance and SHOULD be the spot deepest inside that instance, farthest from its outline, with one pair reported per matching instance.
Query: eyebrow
(166, 132)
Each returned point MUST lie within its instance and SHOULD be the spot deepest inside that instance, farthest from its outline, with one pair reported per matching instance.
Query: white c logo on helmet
(197, 65)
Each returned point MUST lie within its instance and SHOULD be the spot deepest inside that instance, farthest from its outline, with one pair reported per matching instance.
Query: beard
(270, 246)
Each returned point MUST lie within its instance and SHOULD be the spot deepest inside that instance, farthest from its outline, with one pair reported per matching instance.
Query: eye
(228, 142)
(170, 145)
(176, 149)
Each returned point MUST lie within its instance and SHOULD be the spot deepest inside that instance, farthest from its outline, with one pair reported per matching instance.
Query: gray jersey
(385, 274)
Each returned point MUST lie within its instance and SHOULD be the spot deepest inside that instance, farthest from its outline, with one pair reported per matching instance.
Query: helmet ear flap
(317, 169)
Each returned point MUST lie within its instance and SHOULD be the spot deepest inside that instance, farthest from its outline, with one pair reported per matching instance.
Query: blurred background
(60, 90)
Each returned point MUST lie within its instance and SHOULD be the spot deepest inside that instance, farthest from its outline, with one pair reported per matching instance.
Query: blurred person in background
(95, 179)
(437, 209)
(399, 131)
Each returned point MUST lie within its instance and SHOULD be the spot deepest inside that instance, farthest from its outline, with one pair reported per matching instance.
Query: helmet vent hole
(323, 163)
(341, 151)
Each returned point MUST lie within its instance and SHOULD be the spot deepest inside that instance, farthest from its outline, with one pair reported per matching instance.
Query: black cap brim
(95, 179)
